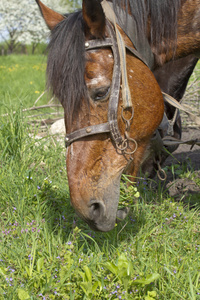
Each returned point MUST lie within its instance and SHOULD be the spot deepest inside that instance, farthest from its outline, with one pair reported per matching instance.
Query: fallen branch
(43, 121)
(35, 108)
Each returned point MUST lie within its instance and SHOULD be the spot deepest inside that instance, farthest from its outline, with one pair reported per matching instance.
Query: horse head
(104, 138)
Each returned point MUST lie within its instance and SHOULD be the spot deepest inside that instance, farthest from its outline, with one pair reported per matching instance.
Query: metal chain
(126, 144)
(160, 172)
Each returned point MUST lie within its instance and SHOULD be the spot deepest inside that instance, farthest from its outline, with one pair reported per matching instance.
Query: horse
(111, 99)
(172, 78)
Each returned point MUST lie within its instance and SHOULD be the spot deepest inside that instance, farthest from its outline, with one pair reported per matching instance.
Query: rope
(171, 141)
(176, 104)
(126, 95)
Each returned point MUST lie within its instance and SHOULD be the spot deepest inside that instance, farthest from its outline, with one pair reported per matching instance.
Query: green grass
(22, 81)
(46, 252)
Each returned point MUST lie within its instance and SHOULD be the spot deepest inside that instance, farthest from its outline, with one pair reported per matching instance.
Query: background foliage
(21, 23)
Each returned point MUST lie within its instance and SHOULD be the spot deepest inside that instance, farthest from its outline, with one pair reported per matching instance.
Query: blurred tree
(22, 24)
(73, 4)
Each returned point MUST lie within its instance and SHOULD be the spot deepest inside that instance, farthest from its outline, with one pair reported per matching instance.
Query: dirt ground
(183, 188)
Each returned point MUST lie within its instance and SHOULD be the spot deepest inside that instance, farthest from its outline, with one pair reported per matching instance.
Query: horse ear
(51, 17)
(94, 17)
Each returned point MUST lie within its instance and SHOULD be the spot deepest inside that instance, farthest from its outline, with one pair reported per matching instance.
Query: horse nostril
(97, 209)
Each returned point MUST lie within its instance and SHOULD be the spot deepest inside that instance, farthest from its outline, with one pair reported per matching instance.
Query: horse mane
(66, 58)
(157, 16)
(66, 63)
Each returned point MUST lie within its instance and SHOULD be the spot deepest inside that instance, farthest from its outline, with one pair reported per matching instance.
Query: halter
(112, 125)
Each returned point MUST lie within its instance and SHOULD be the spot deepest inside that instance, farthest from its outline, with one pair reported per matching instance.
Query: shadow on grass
(62, 219)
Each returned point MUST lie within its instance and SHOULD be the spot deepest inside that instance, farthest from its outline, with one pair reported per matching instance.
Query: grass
(22, 80)
(46, 252)
(192, 95)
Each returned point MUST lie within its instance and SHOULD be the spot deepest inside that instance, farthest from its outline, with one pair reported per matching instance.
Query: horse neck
(188, 34)
(174, 75)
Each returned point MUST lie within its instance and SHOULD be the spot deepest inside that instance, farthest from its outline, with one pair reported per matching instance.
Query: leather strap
(141, 44)
(194, 118)
(137, 54)
(86, 131)
(171, 141)
(110, 15)
(94, 44)
(115, 90)
(112, 124)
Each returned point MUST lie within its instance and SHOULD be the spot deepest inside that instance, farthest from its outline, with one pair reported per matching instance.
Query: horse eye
(101, 94)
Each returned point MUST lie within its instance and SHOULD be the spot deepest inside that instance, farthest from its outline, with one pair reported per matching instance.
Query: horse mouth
(106, 224)
(104, 214)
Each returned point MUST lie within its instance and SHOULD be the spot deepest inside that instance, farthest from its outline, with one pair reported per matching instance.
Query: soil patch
(184, 188)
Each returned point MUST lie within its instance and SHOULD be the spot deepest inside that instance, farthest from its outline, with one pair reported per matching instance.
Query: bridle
(126, 144)
(122, 144)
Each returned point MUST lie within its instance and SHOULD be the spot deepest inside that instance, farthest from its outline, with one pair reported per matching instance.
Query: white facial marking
(96, 81)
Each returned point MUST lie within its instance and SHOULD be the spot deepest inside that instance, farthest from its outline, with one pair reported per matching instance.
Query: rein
(126, 95)
(159, 144)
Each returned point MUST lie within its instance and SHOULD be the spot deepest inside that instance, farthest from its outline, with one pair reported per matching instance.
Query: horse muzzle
(102, 213)
(101, 219)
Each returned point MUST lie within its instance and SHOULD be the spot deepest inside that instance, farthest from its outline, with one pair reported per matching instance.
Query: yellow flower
(37, 92)
(31, 82)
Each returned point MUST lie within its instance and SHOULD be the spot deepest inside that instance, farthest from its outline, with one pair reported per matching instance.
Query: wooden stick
(35, 108)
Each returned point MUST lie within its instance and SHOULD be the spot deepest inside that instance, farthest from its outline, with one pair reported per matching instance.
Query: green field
(22, 80)
(46, 252)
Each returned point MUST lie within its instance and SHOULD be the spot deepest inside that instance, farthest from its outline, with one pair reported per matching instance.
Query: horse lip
(102, 226)
(121, 214)
(106, 225)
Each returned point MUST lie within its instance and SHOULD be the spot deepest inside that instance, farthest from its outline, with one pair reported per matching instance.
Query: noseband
(112, 125)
